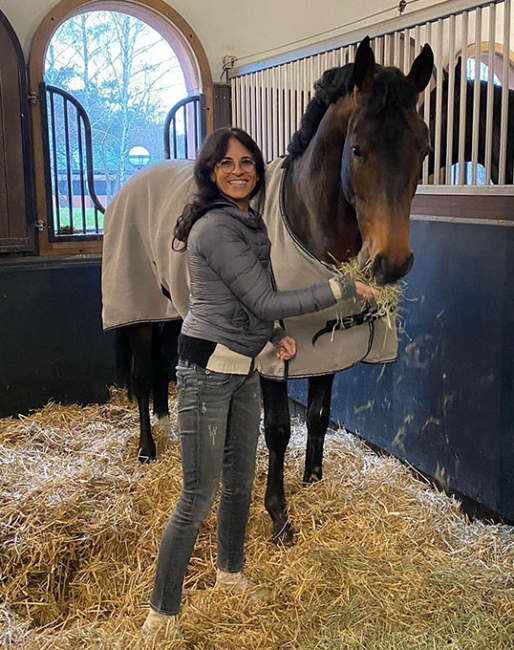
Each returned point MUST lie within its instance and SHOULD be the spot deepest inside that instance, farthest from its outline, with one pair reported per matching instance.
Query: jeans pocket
(187, 386)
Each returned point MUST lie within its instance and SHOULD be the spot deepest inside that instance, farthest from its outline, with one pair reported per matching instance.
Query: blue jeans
(219, 418)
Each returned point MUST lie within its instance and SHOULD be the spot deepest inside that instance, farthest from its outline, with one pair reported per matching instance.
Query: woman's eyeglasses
(227, 165)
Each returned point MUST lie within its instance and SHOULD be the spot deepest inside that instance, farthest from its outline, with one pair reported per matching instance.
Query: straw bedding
(381, 561)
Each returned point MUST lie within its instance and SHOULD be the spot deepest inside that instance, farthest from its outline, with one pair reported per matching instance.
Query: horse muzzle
(385, 271)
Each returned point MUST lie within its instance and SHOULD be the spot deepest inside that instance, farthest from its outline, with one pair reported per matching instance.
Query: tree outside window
(127, 77)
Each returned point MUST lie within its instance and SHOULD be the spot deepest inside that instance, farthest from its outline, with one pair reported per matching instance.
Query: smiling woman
(235, 175)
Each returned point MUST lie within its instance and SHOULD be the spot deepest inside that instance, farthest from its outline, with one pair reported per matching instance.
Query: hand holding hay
(386, 296)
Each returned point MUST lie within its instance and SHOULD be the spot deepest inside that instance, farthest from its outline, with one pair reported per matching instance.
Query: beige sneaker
(162, 625)
(238, 582)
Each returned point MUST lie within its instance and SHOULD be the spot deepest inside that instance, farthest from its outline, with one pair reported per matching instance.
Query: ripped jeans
(219, 417)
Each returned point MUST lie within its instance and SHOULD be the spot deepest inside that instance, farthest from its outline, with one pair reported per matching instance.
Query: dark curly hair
(207, 193)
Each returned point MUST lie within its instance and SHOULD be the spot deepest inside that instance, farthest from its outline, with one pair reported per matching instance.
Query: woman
(232, 309)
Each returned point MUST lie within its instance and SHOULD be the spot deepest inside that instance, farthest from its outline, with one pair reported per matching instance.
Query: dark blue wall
(51, 342)
(447, 405)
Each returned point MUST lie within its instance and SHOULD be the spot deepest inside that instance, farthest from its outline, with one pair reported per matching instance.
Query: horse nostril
(384, 272)
(379, 269)
(408, 263)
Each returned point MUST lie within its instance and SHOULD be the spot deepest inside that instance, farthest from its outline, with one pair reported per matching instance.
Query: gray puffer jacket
(232, 299)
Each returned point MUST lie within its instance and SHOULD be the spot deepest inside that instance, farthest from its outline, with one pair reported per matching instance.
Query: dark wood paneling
(16, 178)
(52, 346)
(221, 97)
(478, 206)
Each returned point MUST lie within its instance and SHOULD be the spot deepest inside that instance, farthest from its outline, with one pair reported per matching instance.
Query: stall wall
(51, 342)
(446, 406)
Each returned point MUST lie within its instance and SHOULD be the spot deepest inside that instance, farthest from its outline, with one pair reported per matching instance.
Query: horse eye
(357, 152)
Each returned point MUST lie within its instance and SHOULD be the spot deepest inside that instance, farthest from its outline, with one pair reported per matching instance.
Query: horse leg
(277, 431)
(140, 338)
(123, 358)
(318, 416)
(164, 357)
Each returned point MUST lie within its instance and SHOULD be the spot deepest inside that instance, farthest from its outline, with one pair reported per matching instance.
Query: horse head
(385, 144)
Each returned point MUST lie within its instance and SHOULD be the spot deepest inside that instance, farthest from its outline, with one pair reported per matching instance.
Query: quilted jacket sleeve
(231, 258)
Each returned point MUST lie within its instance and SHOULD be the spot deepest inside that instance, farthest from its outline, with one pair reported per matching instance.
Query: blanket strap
(367, 315)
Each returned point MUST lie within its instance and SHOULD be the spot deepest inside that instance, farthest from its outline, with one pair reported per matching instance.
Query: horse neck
(315, 206)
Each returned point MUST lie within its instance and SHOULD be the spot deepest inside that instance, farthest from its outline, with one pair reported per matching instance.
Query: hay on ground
(381, 561)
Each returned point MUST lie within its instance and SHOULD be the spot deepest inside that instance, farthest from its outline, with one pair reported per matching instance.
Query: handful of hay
(390, 294)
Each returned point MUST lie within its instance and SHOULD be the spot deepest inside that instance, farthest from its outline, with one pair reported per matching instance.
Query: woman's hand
(365, 291)
(286, 348)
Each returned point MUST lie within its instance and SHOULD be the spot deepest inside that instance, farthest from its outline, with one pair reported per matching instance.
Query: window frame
(161, 17)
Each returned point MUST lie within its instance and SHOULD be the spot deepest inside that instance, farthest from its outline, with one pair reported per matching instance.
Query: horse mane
(334, 83)
(390, 89)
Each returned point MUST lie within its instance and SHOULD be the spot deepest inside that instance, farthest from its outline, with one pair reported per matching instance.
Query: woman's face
(235, 174)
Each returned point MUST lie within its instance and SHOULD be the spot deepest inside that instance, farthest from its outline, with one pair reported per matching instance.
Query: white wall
(244, 28)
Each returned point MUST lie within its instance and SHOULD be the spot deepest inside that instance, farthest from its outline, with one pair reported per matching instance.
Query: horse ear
(364, 66)
(422, 67)
(458, 69)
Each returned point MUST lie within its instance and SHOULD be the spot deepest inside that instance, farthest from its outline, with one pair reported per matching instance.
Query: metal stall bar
(505, 95)
(463, 94)
(426, 99)
(476, 97)
(490, 93)
(450, 103)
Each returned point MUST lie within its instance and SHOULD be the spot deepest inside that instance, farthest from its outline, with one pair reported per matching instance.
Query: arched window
(75, 49)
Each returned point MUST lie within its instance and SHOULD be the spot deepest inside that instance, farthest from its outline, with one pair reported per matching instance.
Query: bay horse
(344, 191)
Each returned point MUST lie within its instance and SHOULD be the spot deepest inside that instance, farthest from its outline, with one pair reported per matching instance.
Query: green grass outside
(64, 224)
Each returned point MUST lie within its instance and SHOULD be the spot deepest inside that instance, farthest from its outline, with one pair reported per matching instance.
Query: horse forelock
(392, 91)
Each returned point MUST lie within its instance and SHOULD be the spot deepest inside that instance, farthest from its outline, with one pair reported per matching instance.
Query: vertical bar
(426, 106)
(174, 131)
(505, 94)
(288, 103)
(280, 111)
(378, 48)
(81, 175)
(406, 51)
(56, 210)
(298, 84)
(449, 108)
(476, 97)
(68, 161)
(438, 103)
(186, 138)
(490, 94)
(258, 110)
(387, 49)
(274, 112)
(397, 55)
(463, 117)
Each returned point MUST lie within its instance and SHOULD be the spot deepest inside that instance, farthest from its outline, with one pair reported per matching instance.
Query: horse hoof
(284, 536)
(146, 458)
(162, 421)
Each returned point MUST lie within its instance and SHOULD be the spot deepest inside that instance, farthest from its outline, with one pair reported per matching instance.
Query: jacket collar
(252, 219)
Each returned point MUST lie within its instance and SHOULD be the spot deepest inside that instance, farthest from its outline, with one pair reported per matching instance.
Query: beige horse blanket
(138, 263)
